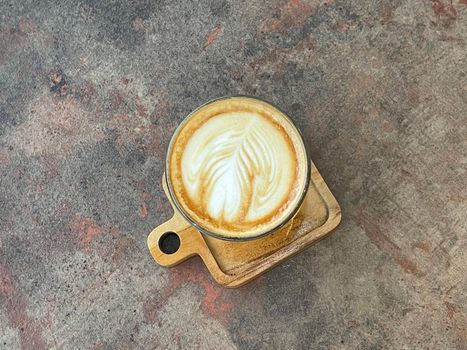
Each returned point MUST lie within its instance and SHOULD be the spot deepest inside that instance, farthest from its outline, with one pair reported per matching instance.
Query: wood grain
(233, 264)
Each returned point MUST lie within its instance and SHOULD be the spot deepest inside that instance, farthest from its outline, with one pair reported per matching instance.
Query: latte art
(237, 167)
(234, 166)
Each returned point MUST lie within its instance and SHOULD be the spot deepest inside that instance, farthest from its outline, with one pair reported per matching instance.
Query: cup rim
(200, 228)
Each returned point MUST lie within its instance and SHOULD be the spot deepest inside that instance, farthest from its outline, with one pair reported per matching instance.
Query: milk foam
(238, 166)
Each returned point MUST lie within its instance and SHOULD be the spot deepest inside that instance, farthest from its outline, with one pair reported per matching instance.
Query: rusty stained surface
(90, 94)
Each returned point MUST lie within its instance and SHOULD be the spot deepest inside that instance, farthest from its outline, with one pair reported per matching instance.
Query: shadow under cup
(237, 169)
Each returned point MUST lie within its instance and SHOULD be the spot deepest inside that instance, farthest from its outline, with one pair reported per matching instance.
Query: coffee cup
(237, 169)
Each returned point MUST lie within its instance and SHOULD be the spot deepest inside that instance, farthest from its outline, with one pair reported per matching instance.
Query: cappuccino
(237, 168)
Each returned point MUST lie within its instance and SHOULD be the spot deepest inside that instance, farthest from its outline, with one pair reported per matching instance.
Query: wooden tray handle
(190, 242)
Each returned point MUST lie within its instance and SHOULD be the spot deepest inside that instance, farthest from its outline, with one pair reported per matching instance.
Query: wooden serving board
(233, 264)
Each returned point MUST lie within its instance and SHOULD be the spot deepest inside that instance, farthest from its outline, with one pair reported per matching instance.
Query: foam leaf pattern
(235, 174)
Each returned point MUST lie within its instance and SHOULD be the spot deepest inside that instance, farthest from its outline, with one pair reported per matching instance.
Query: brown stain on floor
(445, 12)
(16, 307)
(144, 197)
(422, 245)
(216, 301)
(86, 229)
(212, 36)
(291, 14)
(383, 243)
(452, 309)
(143, 212)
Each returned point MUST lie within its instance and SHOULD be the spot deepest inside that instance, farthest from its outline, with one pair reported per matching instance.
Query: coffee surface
(237, 167)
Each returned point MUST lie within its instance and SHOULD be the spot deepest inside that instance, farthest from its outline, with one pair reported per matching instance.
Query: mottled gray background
(90, 93)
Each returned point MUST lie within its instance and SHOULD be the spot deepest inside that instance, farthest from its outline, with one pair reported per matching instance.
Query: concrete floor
(90, 93)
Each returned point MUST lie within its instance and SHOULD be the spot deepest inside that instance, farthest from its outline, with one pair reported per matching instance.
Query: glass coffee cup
(237, 169)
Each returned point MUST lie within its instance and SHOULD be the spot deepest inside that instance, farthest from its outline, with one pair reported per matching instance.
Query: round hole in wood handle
(169, 242)
(174, 241)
